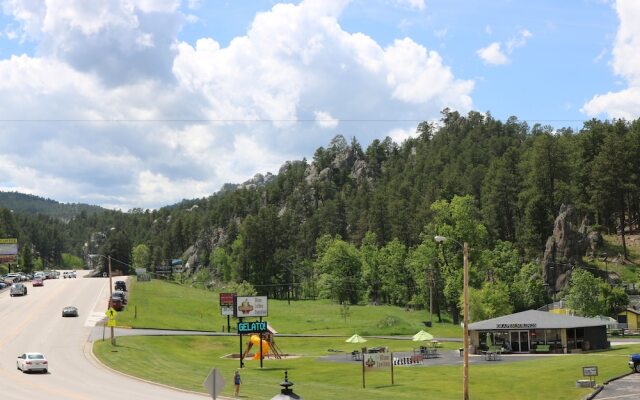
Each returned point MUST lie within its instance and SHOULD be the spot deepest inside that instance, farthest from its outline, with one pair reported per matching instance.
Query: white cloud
(145, 121)
(325, 120)
(626, 63)
(493, 54)
(417, 4)
(399, 135)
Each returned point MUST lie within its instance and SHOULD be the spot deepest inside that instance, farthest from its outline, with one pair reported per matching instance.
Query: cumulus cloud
(493, 54)
(626, 64)
(113, 110)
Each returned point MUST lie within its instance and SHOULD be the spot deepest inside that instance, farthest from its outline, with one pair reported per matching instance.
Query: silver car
(32, 362)
(18, 289)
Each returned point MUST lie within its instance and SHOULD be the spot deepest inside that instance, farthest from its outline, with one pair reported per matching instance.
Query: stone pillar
(563, 339)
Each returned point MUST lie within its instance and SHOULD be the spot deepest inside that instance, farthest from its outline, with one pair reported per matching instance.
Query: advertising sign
(377, 360)
(8, 247)
(251, 306)
(226, 299)
(253, 327)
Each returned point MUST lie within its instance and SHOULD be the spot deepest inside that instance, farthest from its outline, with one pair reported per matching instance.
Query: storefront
(537, 331)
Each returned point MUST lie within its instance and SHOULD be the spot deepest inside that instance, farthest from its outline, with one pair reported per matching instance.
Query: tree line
(357, 224)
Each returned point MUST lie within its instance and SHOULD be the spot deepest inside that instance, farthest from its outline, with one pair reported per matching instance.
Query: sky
(142, 103)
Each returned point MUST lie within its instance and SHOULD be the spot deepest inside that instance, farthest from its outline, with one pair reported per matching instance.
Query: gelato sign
(251, 306)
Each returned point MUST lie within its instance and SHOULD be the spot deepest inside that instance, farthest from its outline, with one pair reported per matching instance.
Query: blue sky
(140, 103)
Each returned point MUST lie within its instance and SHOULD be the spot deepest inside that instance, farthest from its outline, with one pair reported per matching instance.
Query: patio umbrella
(356, 339)
(489, 340)
(422, 336)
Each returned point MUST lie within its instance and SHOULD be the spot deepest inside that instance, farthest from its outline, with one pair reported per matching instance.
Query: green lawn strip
(184, 362)
(165, 305)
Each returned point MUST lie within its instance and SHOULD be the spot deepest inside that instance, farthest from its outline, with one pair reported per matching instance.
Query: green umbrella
(489, 340)
(356, 339)
(422, 336)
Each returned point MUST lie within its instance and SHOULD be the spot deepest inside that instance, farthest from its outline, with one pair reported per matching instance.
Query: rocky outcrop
(564, 249)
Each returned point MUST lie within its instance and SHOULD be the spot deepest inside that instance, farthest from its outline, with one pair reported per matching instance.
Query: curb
(88, 351)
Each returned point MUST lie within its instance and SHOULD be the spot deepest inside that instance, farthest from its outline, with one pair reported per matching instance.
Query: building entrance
(520, 341)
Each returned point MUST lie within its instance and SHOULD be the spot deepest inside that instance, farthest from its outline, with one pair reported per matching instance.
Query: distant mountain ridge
(33, 205)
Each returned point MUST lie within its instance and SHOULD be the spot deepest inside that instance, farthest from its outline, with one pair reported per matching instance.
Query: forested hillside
(357, 224)
(33, 205)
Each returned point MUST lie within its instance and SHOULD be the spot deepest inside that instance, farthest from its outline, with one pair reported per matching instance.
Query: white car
(32, 362)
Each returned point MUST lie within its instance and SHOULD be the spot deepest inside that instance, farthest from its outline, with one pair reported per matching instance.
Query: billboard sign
(251, 306)
(8, 247)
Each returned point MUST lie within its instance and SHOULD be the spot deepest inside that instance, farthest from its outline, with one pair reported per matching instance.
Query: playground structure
(268, 345)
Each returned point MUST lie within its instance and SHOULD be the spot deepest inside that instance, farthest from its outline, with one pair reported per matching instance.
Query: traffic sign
(111, 322)
(214, 383)
(111, 313)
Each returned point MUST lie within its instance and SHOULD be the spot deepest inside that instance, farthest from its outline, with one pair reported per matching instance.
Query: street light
(465, 316)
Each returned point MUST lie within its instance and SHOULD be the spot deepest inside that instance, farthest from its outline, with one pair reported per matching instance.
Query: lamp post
(465, 316)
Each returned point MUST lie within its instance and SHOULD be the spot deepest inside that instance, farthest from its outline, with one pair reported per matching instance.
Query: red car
(37, 282)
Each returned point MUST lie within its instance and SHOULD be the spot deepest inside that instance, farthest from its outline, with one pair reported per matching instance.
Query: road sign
(111, 322)
(214, 383)
(111, 313)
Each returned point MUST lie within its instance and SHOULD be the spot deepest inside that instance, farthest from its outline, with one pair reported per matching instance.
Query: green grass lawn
(160, 304)
(185, 361)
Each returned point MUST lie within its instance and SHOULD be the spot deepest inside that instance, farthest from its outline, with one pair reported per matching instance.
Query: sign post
(591, 372)
(214, 383)
(226, 307)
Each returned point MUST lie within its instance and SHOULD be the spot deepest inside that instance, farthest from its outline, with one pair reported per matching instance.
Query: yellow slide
(255, 340)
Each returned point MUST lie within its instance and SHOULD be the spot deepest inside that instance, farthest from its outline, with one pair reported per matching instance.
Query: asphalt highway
(34, 323)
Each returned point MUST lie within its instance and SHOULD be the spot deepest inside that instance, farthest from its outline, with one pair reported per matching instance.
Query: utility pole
(113, 339)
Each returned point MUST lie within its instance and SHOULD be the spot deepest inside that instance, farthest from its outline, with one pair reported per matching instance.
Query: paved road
(34, 323)
(626, 388)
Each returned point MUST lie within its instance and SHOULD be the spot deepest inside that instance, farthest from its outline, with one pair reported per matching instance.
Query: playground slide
(255, 340)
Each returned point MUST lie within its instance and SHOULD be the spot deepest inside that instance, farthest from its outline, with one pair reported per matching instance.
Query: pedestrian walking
(236, 381)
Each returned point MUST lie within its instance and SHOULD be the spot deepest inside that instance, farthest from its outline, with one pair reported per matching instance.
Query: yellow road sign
(111, 313)
(111, 322)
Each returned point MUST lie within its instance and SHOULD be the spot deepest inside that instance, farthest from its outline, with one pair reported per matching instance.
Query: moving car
(634, 362)
(70, 311)
(32, 362)
(18, 289)
(37, 282)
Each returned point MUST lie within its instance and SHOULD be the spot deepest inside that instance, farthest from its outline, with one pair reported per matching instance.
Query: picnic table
(428, 352)
(493, 354)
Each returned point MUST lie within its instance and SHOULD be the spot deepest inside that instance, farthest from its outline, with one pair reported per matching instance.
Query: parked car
(121, 285)
(37, 282)
(32, 362)
(18, 289)
(116, 303)
(120, 294)
(70, 311)
(634, 362)
(3, 285)
(72, 274)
